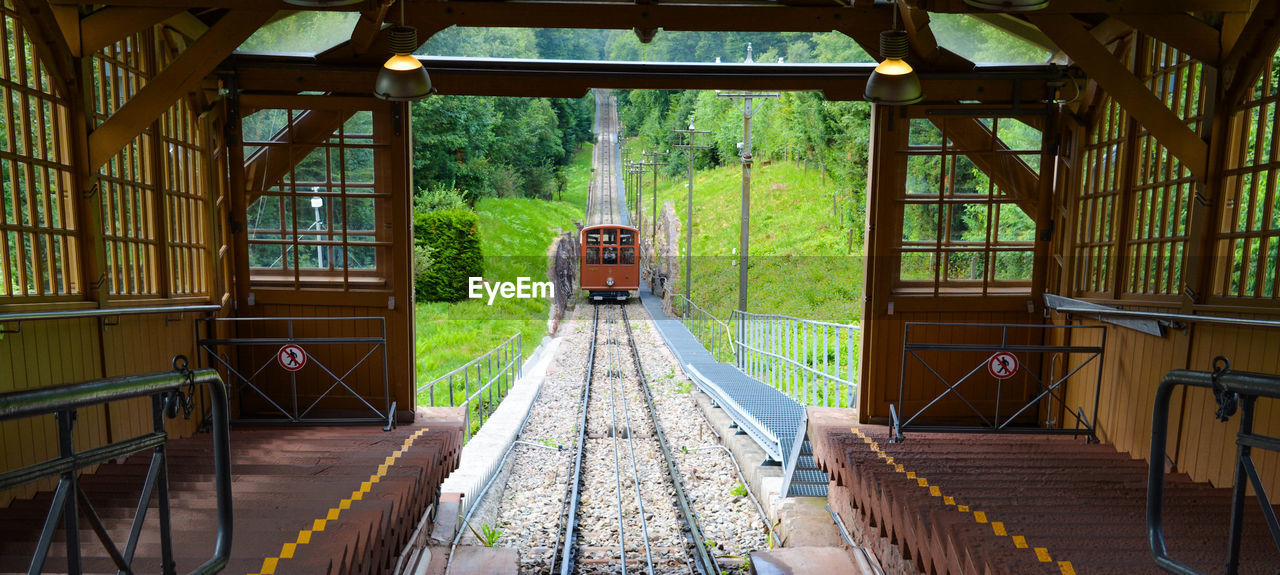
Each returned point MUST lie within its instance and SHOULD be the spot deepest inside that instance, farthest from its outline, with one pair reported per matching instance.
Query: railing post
(853, 383)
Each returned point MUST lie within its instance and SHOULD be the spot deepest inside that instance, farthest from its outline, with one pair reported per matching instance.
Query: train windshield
(628, 256)
(593, 255)
(626, 237)
(593, 237)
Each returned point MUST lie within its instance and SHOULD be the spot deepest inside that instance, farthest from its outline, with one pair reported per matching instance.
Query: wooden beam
(368, 26)
(1100, 6)
(104, 27)
(1127, 89)
(1182, 31)
(1006, 170)
(1252, 52)
(43, 31)
(925, 44)
(269, 164)
(183, 75)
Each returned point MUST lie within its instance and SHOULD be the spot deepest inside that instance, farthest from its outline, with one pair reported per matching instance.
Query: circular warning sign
(292, 357)
(1003, 365)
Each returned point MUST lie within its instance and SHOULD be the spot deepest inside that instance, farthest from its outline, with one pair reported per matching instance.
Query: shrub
(453, 237)
(439, 197)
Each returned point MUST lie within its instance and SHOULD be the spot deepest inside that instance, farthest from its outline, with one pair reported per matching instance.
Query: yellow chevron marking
(980, 517)
(1066, 568)
(1043, 555)
(998, 528)
(286, 552)
(1020, 542)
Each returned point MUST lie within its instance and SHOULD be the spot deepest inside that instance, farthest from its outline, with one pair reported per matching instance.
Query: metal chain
(180, 399)
(1227, 402)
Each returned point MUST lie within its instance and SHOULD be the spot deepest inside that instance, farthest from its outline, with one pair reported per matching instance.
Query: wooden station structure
(138, 144)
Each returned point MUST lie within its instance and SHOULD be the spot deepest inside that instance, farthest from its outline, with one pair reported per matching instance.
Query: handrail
(165, 389)
(105, 312)
(1231, 390)
(1166, 316)
(792, 317)
(791, 354)
(486, 374)
(728, 332)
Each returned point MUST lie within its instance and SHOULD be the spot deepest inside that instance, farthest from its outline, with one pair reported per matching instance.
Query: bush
(453, 237)
(439, 197)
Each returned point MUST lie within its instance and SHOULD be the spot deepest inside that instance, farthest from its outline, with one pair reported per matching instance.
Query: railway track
(623, 474)
(602, 200)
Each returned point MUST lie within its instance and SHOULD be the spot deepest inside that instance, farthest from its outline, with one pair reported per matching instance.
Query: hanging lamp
(1008, 5)
(402, 78)
(893, 83)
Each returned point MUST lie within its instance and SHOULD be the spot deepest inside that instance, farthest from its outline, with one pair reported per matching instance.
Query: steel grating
(770, 417)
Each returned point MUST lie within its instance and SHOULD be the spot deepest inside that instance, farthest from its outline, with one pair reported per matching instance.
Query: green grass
(578, 178)
(514, 235)
(800, 262)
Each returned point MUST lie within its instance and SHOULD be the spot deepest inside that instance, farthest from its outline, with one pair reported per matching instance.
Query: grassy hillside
(800, 263)
(514, 235)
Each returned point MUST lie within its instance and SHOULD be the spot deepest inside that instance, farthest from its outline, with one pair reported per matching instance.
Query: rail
(1001, 361)
(70, 502)
(1233, 391)
(500, 366)
(273, 347)
(19, 317)
(813, 362)
(715, 335)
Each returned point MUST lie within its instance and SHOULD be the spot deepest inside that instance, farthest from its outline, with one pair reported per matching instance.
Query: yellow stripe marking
(1043, 555)
(1066, 568)
(962, 508)
(898, 468)
(1020, 542)
(998, 528)
(934, 491)
(949, 500)
(980, 517)
(287, 551)
(911, 475)
(922, 482)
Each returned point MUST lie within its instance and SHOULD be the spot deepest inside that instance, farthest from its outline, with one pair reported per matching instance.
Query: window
(39, 253)
(1248, 245)
(320, 220)
(1160, 208)
(1100, 185)
(961, 233)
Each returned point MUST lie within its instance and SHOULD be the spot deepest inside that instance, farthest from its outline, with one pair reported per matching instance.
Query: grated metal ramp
(776, 422)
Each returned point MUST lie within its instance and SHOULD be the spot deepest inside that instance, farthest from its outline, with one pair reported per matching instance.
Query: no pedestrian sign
(292, 357)
(1002, 365)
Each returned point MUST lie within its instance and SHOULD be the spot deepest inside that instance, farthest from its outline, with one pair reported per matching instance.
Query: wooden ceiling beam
(925, 44)
(368, 27)
(1182, 31)
(1252, 51)
(269, 164)
(180, 77)
(108, 25)
(1127, 89)
(1100, 6)
(1006, 170)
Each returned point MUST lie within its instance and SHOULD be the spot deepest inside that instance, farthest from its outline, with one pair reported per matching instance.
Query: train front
(610, 264)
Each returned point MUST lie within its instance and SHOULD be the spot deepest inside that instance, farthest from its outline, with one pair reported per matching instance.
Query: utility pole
(637, 172)
(690, 140)
(746, 102)
(651, 159)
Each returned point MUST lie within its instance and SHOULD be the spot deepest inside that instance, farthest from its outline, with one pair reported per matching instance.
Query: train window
(593, 237)
(593, 255)
(610, 255)
(626, 237)
(610, 236)
(628, 256)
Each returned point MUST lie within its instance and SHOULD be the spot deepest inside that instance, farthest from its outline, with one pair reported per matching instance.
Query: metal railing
(1232, 391)
(248, 384)
(19, 317)
(1017, 358)
(70, 502)
(813, 362)
(715, 335)
(485, 382)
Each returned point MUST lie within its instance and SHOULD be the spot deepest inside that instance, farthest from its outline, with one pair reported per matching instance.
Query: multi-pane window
(185, 206)
(962, 233)
(319, 220)
(1099, 191)
(1249, 239)
(39, 256)
(1162, 187)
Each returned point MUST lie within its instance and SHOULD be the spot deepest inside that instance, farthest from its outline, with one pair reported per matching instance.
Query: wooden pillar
(885, 171)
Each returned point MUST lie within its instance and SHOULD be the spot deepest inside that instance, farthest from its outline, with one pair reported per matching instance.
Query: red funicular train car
(610, 261)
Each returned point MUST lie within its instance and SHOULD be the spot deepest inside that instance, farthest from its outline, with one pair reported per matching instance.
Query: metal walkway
(776, 422)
